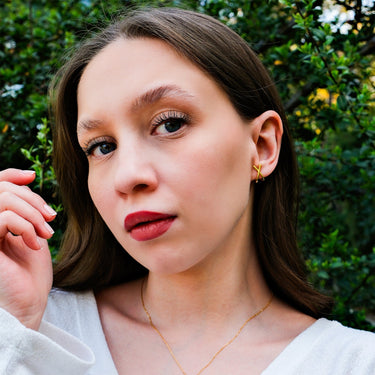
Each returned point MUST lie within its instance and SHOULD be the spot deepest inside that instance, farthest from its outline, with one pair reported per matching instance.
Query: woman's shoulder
(345, 349)
(328, 347)
(340, 335)
(71, 311)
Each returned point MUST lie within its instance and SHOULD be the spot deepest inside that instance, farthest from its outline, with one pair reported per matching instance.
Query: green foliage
(40, 156)
(325, 75)
(45, 184)
(337, 162)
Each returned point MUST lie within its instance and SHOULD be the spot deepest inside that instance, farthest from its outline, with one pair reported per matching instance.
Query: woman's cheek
(99, 191)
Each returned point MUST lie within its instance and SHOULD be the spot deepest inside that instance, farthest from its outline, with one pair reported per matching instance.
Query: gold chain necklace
(218, 352)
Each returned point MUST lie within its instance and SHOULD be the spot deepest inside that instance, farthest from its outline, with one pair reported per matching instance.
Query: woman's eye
(100, 149)
(170, 126)
(169, 123)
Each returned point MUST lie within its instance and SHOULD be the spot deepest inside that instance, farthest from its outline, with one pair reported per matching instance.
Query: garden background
(321, 55)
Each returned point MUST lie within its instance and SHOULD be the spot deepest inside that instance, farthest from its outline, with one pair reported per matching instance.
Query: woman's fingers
(23, 212)
(13, 203)
(26, 194)
(17, 176)
(10, 222)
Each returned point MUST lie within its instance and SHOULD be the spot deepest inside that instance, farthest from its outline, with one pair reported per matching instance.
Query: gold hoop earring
(258, 169)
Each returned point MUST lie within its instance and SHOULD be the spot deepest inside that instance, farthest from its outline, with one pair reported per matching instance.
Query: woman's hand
(25, 260)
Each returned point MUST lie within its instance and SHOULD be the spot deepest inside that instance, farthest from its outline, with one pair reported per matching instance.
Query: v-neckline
(295, 346)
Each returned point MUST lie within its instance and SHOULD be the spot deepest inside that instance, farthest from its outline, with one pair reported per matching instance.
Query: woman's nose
(134, 171)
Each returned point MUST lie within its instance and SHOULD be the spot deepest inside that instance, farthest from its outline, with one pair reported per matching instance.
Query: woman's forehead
(142, 70)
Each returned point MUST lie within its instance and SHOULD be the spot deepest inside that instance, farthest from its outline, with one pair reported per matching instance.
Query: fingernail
(48, 227)
(28, 172)
(50, 210)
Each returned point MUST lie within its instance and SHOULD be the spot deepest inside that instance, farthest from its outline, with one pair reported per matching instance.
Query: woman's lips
(147, 225)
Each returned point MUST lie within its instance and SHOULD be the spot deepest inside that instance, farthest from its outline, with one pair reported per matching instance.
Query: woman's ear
(266, 134)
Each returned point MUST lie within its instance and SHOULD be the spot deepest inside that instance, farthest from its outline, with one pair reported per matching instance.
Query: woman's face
(169, 158)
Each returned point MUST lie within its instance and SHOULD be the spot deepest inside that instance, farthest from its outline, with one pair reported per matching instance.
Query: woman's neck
(229, 286)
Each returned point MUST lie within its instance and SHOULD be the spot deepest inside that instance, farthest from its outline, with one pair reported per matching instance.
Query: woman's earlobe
(267, 134)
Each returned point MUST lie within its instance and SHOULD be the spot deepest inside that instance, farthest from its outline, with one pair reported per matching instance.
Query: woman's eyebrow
(153, 95)
(87, 125)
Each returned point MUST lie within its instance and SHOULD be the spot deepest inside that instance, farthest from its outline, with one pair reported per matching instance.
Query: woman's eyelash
(91, 145)
(170, 115)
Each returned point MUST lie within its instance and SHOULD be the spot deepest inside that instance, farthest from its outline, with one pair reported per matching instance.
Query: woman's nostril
(140, 187)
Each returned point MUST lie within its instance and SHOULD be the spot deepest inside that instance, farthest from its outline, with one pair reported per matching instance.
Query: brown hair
(90, 256)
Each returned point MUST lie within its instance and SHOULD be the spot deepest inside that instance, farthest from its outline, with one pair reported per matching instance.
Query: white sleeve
(49, 351)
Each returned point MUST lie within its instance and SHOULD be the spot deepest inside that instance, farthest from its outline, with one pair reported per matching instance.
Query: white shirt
(71, 341)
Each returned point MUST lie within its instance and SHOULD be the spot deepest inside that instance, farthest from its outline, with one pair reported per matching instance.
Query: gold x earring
(258, 169)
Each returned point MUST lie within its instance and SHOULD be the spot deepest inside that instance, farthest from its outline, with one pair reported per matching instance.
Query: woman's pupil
(173, 125)
(105, 148)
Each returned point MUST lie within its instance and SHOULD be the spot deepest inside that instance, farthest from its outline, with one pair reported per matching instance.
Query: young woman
(179, 181)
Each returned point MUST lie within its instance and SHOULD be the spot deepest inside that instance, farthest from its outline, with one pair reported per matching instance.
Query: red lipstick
(147, 225)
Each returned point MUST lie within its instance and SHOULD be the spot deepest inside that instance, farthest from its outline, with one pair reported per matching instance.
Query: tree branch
(310, 86)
